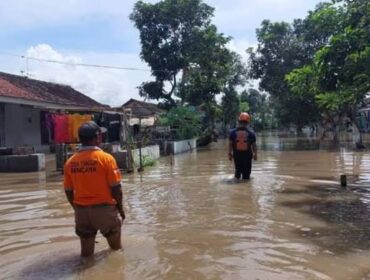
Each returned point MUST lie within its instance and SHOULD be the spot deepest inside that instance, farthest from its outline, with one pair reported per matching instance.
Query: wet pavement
(190, 220)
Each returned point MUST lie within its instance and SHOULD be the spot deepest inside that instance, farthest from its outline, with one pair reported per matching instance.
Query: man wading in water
(92, 183)
(242, 147)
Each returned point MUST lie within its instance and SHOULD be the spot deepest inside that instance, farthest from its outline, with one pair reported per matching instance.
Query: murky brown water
(190, 221)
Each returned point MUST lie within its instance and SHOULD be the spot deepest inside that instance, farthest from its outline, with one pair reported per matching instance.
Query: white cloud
(229, 15)
(236, 18)
(240, 18)
(108, 86)
(240, 46)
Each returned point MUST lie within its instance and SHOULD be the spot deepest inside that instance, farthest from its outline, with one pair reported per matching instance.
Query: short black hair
(88, 132)
(87, 140)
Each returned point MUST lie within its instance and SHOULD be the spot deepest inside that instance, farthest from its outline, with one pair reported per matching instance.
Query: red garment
(242, 140)
(61, 133)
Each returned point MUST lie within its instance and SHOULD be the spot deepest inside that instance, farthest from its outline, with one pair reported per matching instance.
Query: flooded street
(189, 220)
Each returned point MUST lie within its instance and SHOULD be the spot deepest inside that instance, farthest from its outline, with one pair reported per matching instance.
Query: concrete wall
(178, 147)
(121, 159)
(22, 125)
(27, 163)
(151, 151)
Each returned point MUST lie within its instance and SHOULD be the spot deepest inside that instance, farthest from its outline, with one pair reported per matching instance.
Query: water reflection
(187, 218)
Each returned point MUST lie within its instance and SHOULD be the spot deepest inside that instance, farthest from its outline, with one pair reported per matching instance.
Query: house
(363, 115)
(22, 100)
(141, 113)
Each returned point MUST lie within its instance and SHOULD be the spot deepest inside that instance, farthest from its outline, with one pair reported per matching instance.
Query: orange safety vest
(90, 174)
(241, 141)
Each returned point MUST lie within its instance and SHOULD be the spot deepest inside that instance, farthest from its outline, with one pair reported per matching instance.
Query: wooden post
(343, 181)
(126, 139)
(141, 168)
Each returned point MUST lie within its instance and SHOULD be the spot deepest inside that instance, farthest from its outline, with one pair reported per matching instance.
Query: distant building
(23, 100)
(141, 113)
(363, 115)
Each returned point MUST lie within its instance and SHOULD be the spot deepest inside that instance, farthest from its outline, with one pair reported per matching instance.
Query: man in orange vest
(242, 147)
(92, 183)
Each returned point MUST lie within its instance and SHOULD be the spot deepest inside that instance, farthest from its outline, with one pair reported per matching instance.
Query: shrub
(185, 121)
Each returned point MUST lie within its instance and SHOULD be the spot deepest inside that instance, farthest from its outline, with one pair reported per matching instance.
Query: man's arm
(231, 148)
(117, 195)
(254, 150)
(68, 185)
(70, 196)
(114, 179)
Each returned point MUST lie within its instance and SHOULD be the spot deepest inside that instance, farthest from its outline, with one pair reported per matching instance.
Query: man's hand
(117, 195)
(254, 150)
(122, 214)
(70, 196)
(230, 156)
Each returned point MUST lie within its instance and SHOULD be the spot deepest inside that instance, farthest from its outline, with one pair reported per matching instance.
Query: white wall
(178, 147)
(150, 151)
(184, 146)
(22, 125)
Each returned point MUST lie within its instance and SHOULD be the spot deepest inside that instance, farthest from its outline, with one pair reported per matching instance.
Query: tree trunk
(357, 132)
(359, 142)
(299, 130)
(334, 127)
(183, 81)
(168, 96)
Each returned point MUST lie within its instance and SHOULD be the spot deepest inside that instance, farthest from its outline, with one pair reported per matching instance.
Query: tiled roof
(35, 90)
(141, 109)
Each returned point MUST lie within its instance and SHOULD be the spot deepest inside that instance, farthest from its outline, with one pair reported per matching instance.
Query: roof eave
(50, 106)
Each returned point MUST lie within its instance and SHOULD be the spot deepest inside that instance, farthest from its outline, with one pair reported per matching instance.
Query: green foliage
(338, 74)
(185, 121)
(259, 107)
(243, 107)
(167, 34)
(148, 161)
(318, 27)
(301, 81)
(206, 76)
(189, 58)
(230, 105)
(278, 53)
(216, 70)
(333, 102)
(318, 66)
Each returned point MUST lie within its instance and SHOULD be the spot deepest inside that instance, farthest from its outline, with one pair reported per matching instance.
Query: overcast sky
(99, 32)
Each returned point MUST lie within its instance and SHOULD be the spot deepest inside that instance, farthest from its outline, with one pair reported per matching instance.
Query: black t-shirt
(242, 138)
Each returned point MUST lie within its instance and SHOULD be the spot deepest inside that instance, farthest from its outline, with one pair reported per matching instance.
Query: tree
(230, 105)
(338, 76)
(206, 75)
(317, 28)
(189, 58)
(167, 31)
(185, 121)
(278, 53)
(260, 108)
(218, 70)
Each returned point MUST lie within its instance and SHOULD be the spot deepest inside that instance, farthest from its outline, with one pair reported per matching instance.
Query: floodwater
(187, 219)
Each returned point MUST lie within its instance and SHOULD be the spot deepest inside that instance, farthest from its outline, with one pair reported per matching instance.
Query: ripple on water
(191, 219)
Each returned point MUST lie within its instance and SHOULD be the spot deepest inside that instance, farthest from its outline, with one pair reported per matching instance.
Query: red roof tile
(9, 90)
(35, 90)
(141, 109)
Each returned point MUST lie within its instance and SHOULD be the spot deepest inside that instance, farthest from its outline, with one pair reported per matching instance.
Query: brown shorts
(90, 219)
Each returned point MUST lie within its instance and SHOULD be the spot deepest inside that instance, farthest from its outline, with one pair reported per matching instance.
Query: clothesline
(62, 128)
